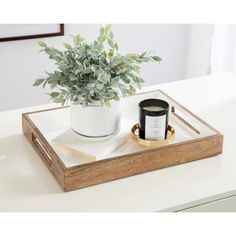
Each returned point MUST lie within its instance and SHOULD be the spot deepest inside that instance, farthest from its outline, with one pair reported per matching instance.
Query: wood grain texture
(123, 166)
(141, 162)
(45, 151)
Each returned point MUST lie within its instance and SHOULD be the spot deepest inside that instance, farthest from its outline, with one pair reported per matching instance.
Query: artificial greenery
(93, 71)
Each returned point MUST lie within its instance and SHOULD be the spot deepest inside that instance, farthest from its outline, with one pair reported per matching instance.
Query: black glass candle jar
(153, 119)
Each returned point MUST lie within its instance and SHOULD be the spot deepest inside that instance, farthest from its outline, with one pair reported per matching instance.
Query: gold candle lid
(152, 143)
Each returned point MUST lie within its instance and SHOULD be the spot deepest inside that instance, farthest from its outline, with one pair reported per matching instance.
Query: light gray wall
(21, 63)
(199, 50)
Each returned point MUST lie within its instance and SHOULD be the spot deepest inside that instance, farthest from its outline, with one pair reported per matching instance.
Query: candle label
(155, 127)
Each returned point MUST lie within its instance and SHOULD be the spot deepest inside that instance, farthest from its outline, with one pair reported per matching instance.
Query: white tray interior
(56, 122)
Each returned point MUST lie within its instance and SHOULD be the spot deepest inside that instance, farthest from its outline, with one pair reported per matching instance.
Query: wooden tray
(194, 140)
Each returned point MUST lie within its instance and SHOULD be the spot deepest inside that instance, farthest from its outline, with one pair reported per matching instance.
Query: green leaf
(116, 46)
(103, 77)
(116, 97)
(79, 38)
(141, 80)
(110, 42)
(38, 82)
(101, 31)
(73, 77)
(42, 44)
(111, 35)
(63, 102)
(126, 80)
(139, 85)
(67, 46)
(132, 76)
(107, 27)
(132, 89)
(102, 38)
(58, 100)
(156, 58)
(45, 82)
(53, 84)
(143, 54)
(107, 103)
(99, 86)
(54, 94)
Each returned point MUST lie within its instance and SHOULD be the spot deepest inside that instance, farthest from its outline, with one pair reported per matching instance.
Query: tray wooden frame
(123, 166)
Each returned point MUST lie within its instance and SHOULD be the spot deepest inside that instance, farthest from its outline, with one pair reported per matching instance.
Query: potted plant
(92, 78)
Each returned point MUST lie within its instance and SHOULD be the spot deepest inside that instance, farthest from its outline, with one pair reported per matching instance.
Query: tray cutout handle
(42, 150)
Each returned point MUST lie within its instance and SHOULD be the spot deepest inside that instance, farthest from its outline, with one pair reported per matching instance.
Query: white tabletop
(27, 185)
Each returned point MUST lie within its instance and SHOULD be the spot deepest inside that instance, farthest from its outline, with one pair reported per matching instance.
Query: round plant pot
(95, 120)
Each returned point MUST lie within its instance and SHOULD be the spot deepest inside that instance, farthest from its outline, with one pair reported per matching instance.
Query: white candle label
(155, 127)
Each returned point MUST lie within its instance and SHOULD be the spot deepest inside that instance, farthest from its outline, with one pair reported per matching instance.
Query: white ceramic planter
(96, 121)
